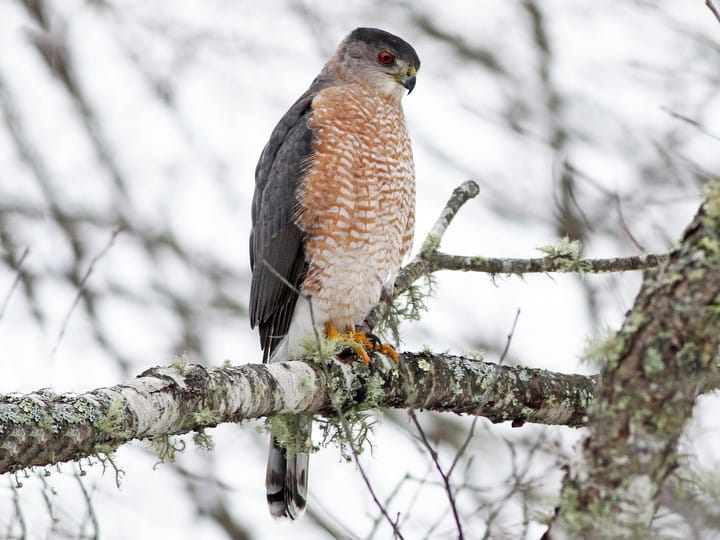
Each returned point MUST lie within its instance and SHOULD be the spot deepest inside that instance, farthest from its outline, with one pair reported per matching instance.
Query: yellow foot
(362, 343)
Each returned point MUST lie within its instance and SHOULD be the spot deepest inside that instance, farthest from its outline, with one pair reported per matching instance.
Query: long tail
(286, 482)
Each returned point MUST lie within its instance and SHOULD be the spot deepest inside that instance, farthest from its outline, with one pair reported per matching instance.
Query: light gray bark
(44, 428)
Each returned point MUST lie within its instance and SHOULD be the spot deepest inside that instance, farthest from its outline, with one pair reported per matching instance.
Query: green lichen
(180, 363)
(456, 388)
(203, 440)
(424, 365)
(711, 191)
(349, 428)
(374, 391)
(430, 245)
(407, 306)
(105, 455)
(567, 253)
(320, 349)
(113, 420)
(205, 417)
(602, 348)
(350, 433)
(292, 432)
(166, 447)
(710, 244)
(653, 363)
(104, 449)
(475, 356)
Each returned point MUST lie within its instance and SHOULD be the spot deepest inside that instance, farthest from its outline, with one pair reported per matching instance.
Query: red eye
(386, 57)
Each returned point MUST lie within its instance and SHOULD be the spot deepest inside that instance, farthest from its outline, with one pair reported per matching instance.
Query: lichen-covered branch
(562, 258)
(43, 428)
(661, 360)
(436, 261)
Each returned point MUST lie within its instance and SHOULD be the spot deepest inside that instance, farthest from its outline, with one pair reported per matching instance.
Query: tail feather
(286, 482)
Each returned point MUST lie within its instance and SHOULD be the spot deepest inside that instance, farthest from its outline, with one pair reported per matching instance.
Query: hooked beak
(407, 78)
(408, 82)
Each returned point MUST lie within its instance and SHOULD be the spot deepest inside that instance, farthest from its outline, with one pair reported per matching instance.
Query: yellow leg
(362, 342)
(331, 332)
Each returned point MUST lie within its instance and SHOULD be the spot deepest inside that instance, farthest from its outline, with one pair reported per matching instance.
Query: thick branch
(661, 360)
(43, 428)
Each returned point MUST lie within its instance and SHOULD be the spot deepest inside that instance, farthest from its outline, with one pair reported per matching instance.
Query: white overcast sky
(626, 70)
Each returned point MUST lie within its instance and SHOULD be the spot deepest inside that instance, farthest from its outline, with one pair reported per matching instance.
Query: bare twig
(445, 477)
(509, 338)
(393, 522)
(349, 439)
(442, 261)
(388, 500)
(19, 517)
(460, 195)
(81, 288)
(623, 224)
(415, 497)
(430, 260)
(463, 447)
(16, 281)
(714, 7)
(692, 121)
(91, 511)
(48, 492)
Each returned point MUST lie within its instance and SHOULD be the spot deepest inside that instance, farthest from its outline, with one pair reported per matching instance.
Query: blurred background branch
(148, 117)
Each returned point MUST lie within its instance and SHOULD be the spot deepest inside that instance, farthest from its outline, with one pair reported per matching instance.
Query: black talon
(375, 342)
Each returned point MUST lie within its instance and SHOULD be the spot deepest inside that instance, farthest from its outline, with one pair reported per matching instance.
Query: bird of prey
(332, 215)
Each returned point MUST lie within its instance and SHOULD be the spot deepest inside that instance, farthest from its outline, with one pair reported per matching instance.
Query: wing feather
(277, 257)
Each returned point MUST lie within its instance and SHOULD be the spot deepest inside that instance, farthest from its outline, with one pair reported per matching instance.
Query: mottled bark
(661, 360)
(43, 428)
(431, 262)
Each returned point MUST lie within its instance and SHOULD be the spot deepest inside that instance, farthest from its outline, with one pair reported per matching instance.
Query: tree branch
(435, 261)
(662, 359)
(431, 260)
(43, 428)
(714, 7)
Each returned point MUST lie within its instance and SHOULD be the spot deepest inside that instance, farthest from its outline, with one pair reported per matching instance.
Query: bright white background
(168, 107)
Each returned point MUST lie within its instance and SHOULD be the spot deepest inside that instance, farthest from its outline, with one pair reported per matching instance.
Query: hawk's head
(378, 59)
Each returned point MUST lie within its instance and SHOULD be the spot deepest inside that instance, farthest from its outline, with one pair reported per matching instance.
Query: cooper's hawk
(333, 214)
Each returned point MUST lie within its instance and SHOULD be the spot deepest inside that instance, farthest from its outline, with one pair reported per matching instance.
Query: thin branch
(19, 517)
(388, 500)
(16, 281)
(442, 261)
(349, 439)
(81, 288)
(430, 260)
(509, 337)
(349, 436)
(87, 496)
(714, 7)
(463, 447)
(445, 477)
(460, 195)
(623, 224)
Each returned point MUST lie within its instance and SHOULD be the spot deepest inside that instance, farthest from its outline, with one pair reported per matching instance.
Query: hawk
(332, 214)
